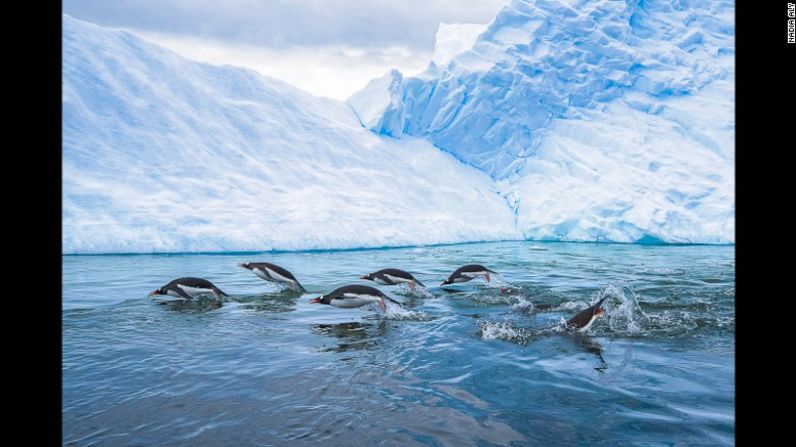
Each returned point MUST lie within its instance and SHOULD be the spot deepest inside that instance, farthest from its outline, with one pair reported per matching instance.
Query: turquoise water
(471, 364)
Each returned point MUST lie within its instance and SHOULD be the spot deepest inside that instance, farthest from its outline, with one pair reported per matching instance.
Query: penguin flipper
(182, 292)
(393, 301)
(219, 293)
(387, 280)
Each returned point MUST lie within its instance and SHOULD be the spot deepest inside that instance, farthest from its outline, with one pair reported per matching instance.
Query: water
(469, 365)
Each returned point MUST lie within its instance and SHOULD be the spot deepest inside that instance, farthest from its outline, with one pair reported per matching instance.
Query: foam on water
(503, 330)
(522, 305)
(398, 313)
(417, 292)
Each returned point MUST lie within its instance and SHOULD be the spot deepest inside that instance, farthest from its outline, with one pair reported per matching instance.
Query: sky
(327, 47)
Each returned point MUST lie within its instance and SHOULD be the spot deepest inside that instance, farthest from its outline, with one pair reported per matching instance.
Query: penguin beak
(363, 277)
(445, 282)
(242, 265)
(315, 300)
(154, 292)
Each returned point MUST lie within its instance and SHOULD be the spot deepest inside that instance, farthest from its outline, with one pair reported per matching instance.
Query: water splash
(497, 282)
(519, 302)
(417, 292)
(627, 317)
(400, 313)
(522, 305)
(505, 330)
(568, 306)
(624, 316)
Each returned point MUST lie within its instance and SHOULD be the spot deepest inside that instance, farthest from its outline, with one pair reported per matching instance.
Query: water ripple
(474, 364)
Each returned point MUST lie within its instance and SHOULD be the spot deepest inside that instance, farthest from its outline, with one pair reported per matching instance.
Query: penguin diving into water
(354, 295)
(273, 273)
(467, 273)
(189, 288)
(391, 277)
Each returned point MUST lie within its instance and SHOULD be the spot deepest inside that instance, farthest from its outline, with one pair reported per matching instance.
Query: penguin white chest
(352, 300)
(398, 279)
(261, 274)
(274, 276)
(195, 291)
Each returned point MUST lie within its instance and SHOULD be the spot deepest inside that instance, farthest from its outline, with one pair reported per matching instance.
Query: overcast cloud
(328, 47)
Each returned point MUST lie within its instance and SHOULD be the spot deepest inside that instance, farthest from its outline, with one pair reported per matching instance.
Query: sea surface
(472, 364)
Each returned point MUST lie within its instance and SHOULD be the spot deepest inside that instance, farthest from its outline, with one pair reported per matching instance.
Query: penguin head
(447, 281)
(598, 308)
(158, 291)
(244, 265)
(318, 300)
(369, 277)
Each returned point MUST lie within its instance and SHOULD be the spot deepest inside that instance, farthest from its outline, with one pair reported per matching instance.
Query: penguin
(354, 295)
(275, 273)
(468, 272)
(391, 277)
(188, 288)
(583, 320)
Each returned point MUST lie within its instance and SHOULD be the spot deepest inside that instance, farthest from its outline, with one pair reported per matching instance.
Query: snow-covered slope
(599, 119)
(164, 154)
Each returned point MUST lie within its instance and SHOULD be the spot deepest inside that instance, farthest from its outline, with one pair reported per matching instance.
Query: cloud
(335, 71)
(281, 23)
(326, 47)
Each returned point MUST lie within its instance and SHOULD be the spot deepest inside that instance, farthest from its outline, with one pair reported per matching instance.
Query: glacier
(599, 120)
(164, 154)
(587, 120)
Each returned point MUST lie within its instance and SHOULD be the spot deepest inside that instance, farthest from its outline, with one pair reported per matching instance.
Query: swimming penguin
(188, 288)
(583, 320)
(275, 273)
(354, 295)
(391, 277)
(468, 272)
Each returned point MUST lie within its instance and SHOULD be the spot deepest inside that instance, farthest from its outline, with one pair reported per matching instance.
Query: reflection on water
(195, 305)
(592, 346)
(354, 335)
(268, 302)
(470, 364)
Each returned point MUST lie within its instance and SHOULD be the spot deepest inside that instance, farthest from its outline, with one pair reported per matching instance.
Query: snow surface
(599, 120)
(453, 39)
(163, 154)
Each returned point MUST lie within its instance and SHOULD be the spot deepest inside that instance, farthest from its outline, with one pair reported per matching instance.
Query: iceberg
(598, 120)
(164, 154)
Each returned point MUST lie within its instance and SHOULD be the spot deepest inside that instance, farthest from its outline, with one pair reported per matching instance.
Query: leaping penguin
(188, 288)
(583, 320)
(391, 277)
(274, 273)
(354, 295)
(467, 273)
